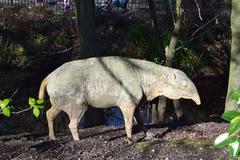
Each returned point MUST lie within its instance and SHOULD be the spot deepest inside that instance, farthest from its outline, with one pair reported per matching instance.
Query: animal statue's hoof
(52, 138)
(130, 141)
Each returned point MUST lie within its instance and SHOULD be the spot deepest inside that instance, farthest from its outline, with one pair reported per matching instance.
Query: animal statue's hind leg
(75, 116)
(51, 115)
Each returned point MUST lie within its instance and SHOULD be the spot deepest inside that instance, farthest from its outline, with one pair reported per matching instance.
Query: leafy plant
(36, 105)
(10, 51)
(40, 39)
(232, 137)
(142, 42)
(63, 39)
(186, 56)
(5, 107)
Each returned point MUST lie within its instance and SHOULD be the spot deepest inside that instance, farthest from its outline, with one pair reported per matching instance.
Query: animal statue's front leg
(128, 114)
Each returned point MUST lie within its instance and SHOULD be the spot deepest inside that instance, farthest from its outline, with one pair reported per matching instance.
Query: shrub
(142, 43)
(6, 108)
(231, 138)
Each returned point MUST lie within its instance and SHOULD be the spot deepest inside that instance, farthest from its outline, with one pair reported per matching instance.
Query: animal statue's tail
(42, 89)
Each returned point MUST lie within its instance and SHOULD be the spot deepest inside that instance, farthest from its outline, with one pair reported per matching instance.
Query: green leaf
(234, 148)
(235, 120)
(40, 101)
(5, 102)
(39, 106)
(11, 107)
(229, 115)
(6, 112)
(236, 95)
(234, 128)
(222, 140)
(31, 101)
(36, 112)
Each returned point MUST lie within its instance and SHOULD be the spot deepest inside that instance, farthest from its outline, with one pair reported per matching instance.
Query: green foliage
(142, 42)
(236, 96)
(5, 107)
(228, 116)
(36, 105)
(186, 58)
(40, 39)
(231, 138)
(30, 34)
(63, 39)
(158, 60)
(10, 51)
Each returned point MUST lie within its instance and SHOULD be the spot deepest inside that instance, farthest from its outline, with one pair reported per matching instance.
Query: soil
(104, 142)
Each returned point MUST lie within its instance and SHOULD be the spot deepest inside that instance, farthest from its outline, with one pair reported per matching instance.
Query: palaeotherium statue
(111, 81)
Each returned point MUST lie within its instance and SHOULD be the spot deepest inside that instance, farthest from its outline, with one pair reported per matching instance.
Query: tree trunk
(155, 27)
(85, 14)
(157, 111)
(234, 72)
(169, 52)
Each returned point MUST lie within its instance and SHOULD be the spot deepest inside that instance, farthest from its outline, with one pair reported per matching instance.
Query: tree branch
(18, 112)
(24, 110)
(206, 24)
(199, 10)
(14, 93)
(170, 4)
(68, 49)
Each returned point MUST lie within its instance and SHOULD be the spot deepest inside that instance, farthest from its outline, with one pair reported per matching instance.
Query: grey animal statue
(111, 81)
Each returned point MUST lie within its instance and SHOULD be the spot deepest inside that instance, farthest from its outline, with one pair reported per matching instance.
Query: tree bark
(85, 19)
(158, 111)
(155, 27)
(234, 72)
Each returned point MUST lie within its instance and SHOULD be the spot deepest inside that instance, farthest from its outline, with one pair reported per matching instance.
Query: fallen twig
(68, 49)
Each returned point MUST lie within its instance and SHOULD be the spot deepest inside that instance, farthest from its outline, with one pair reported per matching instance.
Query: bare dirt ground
(189, 142)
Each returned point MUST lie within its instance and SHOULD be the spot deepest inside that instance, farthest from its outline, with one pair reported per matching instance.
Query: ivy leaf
(36, 112)
(234, 148)
(229, 115)
(40, 101)
(234, 128)
(222, 140)
(6, 112)
(4, 103)
(31, 101)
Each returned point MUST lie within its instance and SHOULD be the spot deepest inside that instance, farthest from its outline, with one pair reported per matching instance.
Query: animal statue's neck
(148, 79)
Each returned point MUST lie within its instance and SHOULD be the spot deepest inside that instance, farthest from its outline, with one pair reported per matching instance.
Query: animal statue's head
(175, 85)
